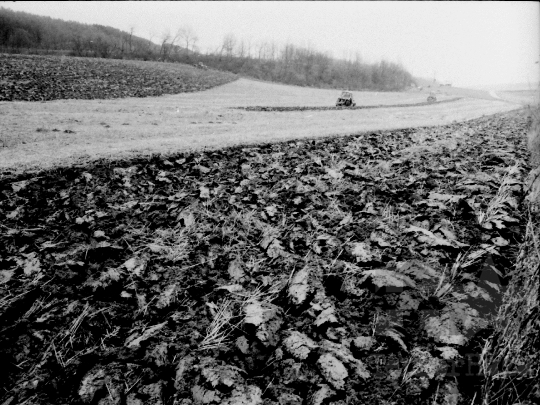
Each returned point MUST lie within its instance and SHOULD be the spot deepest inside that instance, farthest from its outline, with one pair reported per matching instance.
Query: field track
(37, 135)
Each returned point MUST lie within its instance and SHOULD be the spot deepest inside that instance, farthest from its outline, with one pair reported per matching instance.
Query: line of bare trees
(288, 63)
(304, 66)
(183, 41)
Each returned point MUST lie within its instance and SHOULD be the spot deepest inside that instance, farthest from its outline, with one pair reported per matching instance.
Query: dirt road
(36, 135)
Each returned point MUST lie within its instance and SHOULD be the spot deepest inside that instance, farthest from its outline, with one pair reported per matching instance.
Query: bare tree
(228, 45)
(272, 50)
(287, 54)
(102, 48)
(171, 46)
(165, 37)
(248, 47)
(124, 40)
(243, 50)
(261, 49)
(147, 50)
(131, 31)
(189, 38)
(78, 44)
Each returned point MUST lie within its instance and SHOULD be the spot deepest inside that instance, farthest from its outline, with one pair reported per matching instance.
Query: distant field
(447, 91)
(44, 78)
(521, 96)
(39, 135)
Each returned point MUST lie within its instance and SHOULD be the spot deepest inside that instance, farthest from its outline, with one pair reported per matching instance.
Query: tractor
(345, 99)
(431, 98)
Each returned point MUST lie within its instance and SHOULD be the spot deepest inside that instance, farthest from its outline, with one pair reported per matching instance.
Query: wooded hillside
(22, 32)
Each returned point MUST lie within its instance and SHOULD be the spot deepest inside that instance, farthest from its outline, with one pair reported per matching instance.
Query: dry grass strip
(511, 360)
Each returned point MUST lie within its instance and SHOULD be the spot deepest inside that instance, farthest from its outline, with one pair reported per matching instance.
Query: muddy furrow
(361, 107)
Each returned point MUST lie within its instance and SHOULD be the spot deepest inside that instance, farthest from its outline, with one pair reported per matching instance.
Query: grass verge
(510, 361)
(534, 136)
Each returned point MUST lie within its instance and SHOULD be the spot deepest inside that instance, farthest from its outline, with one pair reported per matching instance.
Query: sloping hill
(40, 78)
(27, 33)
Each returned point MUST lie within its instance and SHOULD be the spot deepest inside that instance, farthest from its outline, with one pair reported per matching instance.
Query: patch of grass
(510, 361)
(174, 243)
(376, 168)
(534, 136)
(391, 215)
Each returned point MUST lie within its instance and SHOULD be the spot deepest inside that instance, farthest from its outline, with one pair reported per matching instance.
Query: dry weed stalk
(220, 328)
(58, 356)
(497, 205)
(143, 305)
(245, 220)
(475, 256)
(174, 243)
(36, 306)
(408, 372)
(390, 214)
(377, 168)
(60, 349)
(72, 331)
(448, 277)
(259, 294)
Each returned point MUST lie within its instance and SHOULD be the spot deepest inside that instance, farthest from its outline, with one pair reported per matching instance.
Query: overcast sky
(467, 43)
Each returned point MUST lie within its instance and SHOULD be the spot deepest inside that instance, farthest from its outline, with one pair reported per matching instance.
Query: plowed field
(320, 270)
(358, 269)
(43, 78)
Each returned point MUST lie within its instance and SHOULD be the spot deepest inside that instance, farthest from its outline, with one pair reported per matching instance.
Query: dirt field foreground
(364, 269)
(37, 135)
(172, 251)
